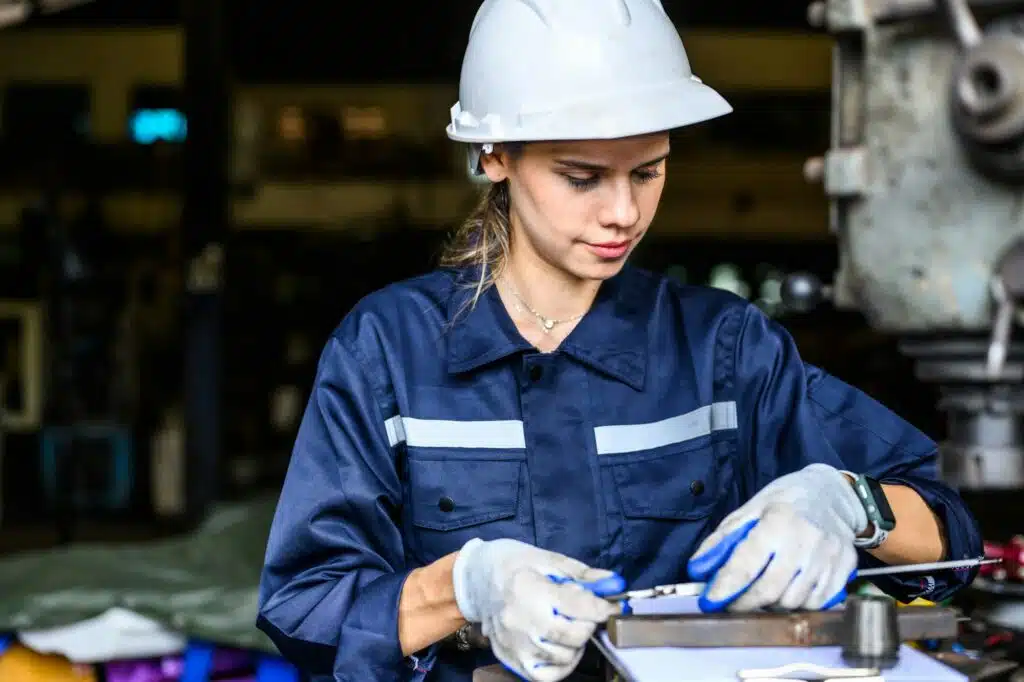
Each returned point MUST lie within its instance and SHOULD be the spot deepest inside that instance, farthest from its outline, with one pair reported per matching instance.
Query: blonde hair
(483, 240)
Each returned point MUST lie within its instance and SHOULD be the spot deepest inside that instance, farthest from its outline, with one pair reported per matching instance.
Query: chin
(599, 271)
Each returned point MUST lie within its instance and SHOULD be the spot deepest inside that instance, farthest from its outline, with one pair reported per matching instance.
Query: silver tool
(925, 568)
(677, 590)
(695, 589)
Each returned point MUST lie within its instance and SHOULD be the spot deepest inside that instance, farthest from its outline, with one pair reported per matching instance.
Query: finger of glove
(599, 581)
(569, 600)
(531, 667)
(567, 567)
(798, 547)
(799, 590)
(716, 550)
(832, 590)
(565, 614)
(766, 590)
(545, 626)
(817, 568)
(745, 565)
(603, 583)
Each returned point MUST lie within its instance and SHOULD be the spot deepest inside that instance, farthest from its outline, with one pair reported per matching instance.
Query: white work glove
(791, 546)
(538, 608)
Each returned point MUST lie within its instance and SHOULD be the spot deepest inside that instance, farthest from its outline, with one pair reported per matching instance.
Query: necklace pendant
(548, 325)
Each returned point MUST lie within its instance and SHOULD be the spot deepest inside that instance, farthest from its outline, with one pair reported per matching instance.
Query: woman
(537, 422)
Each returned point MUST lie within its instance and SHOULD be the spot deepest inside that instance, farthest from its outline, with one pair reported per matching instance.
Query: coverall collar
(611, 338)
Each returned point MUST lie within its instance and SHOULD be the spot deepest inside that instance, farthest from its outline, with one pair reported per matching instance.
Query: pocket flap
(447, 494)
(667, 484)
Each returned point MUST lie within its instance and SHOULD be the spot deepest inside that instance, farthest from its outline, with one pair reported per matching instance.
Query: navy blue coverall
(432, 422)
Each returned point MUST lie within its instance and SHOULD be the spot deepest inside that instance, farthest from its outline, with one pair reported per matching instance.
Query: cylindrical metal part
(871, 633)
(984, 450)
(984, 445)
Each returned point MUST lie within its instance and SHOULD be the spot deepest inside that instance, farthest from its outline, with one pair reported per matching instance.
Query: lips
(610, 250)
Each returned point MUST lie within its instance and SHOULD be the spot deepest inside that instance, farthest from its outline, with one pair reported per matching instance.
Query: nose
(620, 209)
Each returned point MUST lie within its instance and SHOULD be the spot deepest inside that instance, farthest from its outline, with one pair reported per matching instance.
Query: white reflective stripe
(396, 432)
(443, 433)
(614, 440)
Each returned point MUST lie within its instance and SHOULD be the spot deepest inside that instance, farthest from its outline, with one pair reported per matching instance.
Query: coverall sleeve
(793, 414)
(335, 562)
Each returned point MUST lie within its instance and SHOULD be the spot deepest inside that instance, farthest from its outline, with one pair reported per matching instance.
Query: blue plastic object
(198, 662)
(273, 669)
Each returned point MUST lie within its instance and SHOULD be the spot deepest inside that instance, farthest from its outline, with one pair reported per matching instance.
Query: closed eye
(640, 177)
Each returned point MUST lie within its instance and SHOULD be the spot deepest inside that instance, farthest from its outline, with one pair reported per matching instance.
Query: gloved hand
(538, 608)
(790, 546)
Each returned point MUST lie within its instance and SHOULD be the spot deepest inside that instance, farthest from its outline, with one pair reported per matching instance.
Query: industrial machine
(926, 184)
(925, 178)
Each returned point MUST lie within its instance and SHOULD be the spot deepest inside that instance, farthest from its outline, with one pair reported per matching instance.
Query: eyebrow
(597, 168)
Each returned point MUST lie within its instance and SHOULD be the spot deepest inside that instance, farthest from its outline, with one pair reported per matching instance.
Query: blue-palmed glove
(791, 546)
(538, 608)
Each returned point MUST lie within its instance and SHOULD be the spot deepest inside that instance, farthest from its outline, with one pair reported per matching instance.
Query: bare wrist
(427, 611)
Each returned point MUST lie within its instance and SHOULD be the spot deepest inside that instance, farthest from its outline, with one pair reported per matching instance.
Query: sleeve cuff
(963, 541)
(371, 649)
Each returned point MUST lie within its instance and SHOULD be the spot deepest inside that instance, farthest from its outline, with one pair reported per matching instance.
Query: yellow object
(919, 602)
(19, 664)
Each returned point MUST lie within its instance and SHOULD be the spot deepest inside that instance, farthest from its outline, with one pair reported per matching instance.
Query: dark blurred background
(182, 177)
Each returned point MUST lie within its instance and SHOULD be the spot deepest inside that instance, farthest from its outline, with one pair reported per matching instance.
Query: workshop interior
(195, 192)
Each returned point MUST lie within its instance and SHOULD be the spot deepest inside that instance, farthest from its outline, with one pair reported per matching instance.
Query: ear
(496, 165)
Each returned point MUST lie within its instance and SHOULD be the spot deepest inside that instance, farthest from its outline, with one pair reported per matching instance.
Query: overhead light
(14, 12)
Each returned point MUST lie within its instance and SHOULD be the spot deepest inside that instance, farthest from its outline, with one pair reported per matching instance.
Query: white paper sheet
(114, 635)
(723, 664)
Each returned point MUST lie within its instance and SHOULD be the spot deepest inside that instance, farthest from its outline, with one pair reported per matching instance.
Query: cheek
(648, 199)
(555, 213)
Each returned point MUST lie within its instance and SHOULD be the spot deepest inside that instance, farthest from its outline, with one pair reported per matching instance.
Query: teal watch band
(876, 507)
(875, 504)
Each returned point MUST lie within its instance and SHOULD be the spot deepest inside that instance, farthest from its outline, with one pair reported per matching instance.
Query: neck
(551, 292)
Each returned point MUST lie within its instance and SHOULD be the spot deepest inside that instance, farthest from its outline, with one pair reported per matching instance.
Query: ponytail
(482, 241)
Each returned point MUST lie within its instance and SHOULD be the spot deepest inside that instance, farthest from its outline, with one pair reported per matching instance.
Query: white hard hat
(576, 70)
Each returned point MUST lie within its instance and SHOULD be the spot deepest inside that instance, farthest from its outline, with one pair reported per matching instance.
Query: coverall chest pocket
(667, 498)
(456, 498)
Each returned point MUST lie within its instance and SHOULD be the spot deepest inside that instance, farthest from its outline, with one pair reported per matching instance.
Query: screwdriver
(696, 589)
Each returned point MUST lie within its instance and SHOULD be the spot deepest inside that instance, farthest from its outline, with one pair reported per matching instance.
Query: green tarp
(202, 585)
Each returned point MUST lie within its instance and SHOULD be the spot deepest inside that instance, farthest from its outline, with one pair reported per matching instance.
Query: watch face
(884, 510)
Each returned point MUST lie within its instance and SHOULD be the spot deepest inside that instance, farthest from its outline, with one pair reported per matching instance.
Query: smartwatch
(876, 506)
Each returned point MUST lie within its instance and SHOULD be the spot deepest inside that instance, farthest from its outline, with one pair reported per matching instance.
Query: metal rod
(925, 568)
(961, 22)
(695, 589)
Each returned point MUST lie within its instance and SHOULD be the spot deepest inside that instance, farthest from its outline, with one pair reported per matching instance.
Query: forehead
(627, 151)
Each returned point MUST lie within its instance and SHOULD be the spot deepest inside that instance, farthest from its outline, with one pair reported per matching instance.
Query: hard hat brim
(645, 110)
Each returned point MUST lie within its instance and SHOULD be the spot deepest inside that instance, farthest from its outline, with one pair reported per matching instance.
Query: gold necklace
(546, 323)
